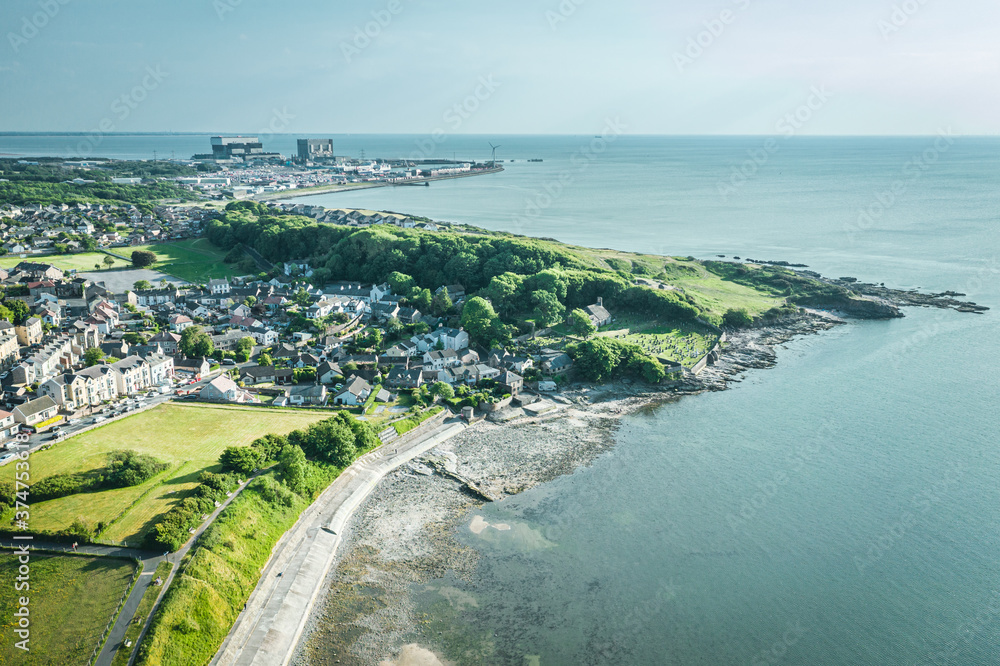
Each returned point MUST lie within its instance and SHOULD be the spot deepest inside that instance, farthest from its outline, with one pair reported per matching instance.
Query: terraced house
(30, 332)
(10, 350)
(132, 375)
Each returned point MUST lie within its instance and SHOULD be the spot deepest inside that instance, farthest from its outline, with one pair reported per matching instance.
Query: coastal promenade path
(268, 630)
(149, 562)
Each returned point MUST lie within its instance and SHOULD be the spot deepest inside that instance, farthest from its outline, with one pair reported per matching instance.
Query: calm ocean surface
(842, 508)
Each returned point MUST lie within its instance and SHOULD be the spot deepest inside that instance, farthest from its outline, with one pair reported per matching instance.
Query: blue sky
(517, 66)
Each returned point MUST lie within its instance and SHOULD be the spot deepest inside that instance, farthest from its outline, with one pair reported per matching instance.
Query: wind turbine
(493, 161)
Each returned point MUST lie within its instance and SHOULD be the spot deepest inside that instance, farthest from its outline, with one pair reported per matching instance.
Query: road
(268, 630)
(36, 441)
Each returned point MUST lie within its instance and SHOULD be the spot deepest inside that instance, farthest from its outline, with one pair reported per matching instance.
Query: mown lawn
(71, 600)
(189, 437)
(195, 260)
(83, 262)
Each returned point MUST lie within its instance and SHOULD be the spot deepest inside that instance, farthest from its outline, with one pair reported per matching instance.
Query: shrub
(8, 494)
(61, 485)
(273, 492)
(129, 468)
(737, 318)
(80, 529)
(243, 459)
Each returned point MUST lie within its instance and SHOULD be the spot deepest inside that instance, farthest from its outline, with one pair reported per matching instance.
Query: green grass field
(710, 292)
(72, 599)
(83, 262)
(195, 260)
(189, 437)
(207, 595)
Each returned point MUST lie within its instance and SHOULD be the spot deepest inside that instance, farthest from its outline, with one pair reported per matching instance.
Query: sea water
(841, 508)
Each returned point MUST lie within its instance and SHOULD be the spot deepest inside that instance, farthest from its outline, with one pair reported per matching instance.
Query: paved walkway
(87, 549)
(268, 630)
(150, 563)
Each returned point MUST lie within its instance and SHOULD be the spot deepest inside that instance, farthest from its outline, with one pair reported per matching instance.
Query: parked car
(228, 361)
(98, 419)
(7, 457)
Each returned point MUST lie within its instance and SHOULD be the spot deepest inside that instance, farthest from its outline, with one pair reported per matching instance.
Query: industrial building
(227, 147)
(311, 149)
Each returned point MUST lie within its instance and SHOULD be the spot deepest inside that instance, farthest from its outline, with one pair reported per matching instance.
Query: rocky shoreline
(405, 535)
(404, 539)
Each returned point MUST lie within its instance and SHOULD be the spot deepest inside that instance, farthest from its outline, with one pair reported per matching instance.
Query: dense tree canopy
(580, 323)
(92, 356)
(601, 359)
(483, 324)
(513, 273)
(196, 342)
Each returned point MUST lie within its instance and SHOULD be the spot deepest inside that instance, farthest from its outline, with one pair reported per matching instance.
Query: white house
(218, 287)
(264, 336)
(224, 389)
(439, 360)
(8, 427)
(180, 322)
(161, 368)
(354, 393)
(36, 411)
(132, 375)
(449, 338)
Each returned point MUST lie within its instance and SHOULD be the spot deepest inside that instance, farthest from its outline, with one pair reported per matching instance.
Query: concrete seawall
(268, 631)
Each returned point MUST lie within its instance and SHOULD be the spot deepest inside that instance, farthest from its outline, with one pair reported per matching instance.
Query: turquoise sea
(841, 508)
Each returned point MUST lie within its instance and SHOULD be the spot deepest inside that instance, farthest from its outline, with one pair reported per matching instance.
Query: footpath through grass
(141, 613)
(190, 437)
(72, 599)
(206, 597)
